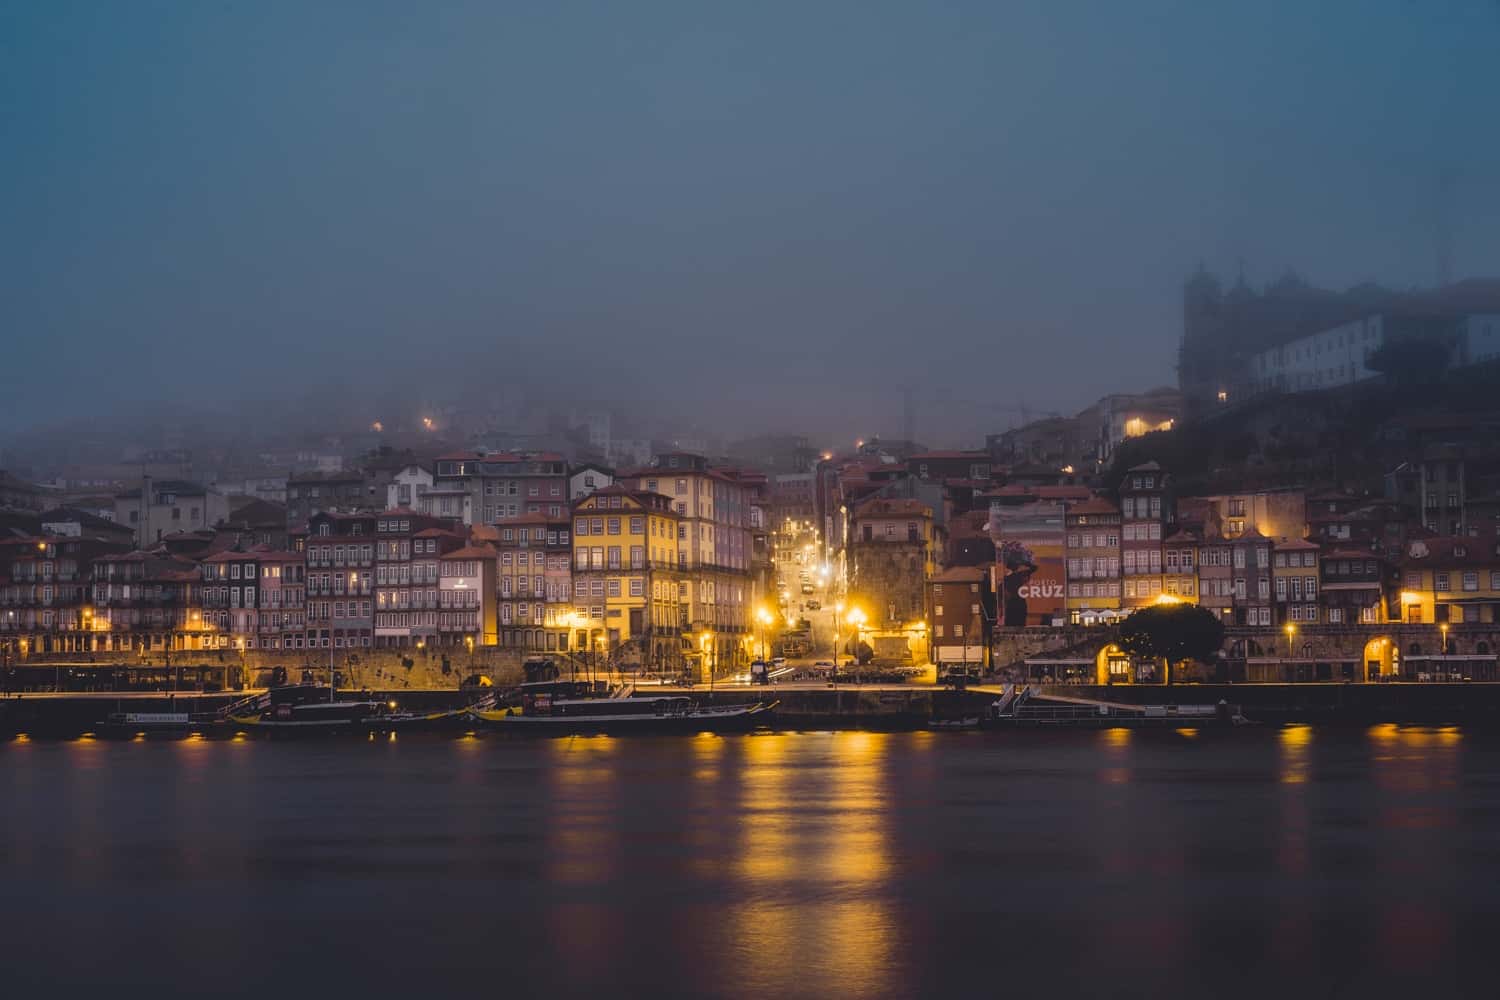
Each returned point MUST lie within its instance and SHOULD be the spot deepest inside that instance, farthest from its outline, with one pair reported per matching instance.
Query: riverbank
(879, 708)
(1476, 704)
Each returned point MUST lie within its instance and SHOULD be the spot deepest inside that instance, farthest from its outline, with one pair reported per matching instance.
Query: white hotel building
(1322, 360)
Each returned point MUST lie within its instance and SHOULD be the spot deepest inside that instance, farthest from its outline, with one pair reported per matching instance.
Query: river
(1268, 862)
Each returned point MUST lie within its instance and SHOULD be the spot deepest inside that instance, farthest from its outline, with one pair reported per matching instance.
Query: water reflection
(796, 864)
(581, 848)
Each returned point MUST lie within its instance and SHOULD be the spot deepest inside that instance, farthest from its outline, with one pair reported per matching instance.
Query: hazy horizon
(767, 218)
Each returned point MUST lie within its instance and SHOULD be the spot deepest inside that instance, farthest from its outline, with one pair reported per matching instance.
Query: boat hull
(711, 721)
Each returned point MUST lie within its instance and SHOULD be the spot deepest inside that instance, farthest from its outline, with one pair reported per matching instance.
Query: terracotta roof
(982, 456)
(1095, 504)
(1285, 544)
(482, 551)
(537, 518)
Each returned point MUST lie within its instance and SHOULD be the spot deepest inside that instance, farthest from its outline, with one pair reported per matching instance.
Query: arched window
(1415, 649)
(1482, 648)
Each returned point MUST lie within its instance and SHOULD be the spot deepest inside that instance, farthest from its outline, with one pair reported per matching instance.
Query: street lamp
(857, 619)
(765, 618)
(1443, 628)
(1291, 637)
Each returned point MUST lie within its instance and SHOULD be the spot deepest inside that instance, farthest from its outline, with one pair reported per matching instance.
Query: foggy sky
(757, 215)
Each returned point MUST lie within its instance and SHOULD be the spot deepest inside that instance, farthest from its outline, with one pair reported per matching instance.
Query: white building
(407, 487)
(1322, 360)
(171, 505)
(448, 501)
(585, 479)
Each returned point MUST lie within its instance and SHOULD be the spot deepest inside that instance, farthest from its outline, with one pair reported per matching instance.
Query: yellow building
(1179, 565)
(1451, 581)
(630, 587)
(715, 551)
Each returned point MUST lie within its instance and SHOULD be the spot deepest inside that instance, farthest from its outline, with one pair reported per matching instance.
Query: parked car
(814, 605)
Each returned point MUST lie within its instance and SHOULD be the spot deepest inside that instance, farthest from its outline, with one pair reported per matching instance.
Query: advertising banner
(1029, 564)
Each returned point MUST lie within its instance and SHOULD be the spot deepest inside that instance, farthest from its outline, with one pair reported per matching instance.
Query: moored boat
(541, 713)
(321, 716)
(155, 723)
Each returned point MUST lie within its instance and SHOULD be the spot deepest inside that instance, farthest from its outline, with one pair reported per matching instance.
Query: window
(1471, 581)
(1441, 584)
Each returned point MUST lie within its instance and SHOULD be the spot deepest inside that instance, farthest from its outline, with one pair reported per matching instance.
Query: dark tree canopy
(1173, 632)
(1409, 360)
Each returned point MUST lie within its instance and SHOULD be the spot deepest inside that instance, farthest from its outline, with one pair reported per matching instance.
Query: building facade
(1093, 559)
(503, 486)
(1147, 516)
(170, 505)
(535, 583)
(632, 582)
(340, 560)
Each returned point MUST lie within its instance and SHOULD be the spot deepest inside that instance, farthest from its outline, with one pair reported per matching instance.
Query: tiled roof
(1094, 505)
(482, 551)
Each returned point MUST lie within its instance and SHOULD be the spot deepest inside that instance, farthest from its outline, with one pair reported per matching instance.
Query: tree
(1172, 633)
(1409, 361)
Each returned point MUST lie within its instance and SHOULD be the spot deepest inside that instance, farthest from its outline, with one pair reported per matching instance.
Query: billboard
(1029, 565)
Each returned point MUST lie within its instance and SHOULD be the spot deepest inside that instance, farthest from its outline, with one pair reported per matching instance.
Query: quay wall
(1355, 704)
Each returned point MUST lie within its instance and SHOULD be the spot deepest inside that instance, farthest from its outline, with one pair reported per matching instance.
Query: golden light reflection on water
(766, 821)
(816, 818)
(1294, 750)
(701, 824)
(1413, 760)
(582, 848)
(1116, 744)
(1294, 743)
(854, 844)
